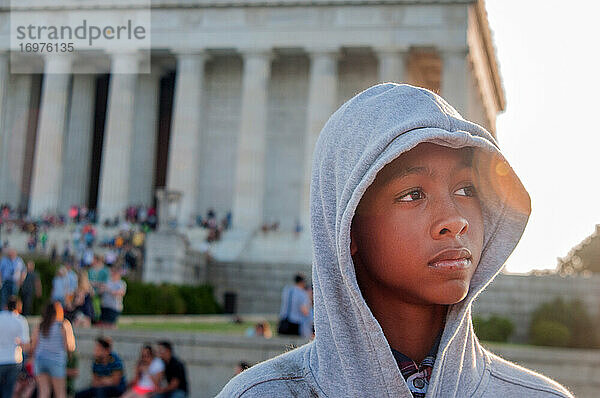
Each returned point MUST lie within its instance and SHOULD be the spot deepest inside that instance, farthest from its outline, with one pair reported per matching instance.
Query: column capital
(23, 62)
(124, 62)
(257, 53)
(91, 62)
(157, 70)
(453, 51)
(154, 69)
(319, 52)
(57, 63)
(181, 53)
(391, 50)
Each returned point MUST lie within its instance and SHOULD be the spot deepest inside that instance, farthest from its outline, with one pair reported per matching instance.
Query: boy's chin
(449, 296)
(449, 301)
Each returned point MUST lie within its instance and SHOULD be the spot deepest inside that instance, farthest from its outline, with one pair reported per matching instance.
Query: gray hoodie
(350, 356)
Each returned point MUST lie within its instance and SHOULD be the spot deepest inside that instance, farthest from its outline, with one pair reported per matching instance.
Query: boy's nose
(451, 226)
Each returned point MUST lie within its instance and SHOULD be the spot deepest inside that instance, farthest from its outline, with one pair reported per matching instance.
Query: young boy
(413, 212)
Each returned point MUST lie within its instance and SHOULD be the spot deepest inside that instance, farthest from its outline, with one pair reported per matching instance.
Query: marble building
(237, 93)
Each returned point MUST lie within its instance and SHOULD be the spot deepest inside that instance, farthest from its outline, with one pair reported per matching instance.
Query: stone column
(184, 147)
(47, 169)
(115, 170)
(250, 173)
(455, 79)
(143, 151)
(4, 76)
(78, 143)
(14, 126)
(322, 97)
(4, 81)
(392, 65)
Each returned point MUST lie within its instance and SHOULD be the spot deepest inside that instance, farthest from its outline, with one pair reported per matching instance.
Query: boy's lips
(454, 258)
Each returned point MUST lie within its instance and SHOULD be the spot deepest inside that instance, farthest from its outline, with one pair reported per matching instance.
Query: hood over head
(351, 356)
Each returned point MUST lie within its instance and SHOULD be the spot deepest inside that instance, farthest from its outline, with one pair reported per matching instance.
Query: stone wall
(576, 369)
(257, 286)
(517, 296)
(210, 359)
(170, 259)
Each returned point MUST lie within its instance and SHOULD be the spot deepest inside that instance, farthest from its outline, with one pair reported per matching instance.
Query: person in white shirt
(20, 273)
(12, 274)
(14, 338)
(149, 374)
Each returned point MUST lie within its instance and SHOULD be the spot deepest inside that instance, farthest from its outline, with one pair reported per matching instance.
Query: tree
(583, 258)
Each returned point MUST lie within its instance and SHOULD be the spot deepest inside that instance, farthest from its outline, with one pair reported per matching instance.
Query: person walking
(112, 298)
(12, 272)
(60, 286)
(14, 338)
(31, 288)
(82, 312)
(295, 306)
(51, 342)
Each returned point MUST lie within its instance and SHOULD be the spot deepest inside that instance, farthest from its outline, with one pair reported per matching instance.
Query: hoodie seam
(268, 380)
(311, 374)
(517, 382)
(485, 376)
(373, 347)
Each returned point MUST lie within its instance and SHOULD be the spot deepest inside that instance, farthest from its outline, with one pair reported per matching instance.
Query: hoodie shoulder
(282, 376)
(509, 379)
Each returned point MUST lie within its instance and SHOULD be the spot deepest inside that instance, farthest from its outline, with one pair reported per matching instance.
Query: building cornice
(5, 5)
(490, 52)
(295, 3)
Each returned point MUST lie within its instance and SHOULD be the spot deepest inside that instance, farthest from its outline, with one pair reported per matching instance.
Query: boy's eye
(415, 194)
(466, 191)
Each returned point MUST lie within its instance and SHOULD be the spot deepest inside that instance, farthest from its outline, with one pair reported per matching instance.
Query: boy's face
(418, 230)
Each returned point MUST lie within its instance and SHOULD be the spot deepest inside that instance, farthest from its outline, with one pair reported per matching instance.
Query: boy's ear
(353, 246)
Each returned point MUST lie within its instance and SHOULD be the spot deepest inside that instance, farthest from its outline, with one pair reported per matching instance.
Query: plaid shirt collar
(417, 376)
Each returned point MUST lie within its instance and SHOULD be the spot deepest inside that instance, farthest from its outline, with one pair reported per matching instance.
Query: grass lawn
(207, 327)
(238, 329)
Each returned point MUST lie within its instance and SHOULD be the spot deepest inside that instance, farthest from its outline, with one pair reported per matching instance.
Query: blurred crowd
(46, 363)
(89, 294)
(12, 217)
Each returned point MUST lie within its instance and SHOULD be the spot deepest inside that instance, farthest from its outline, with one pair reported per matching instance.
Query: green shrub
(573, 316)
(495, 328)
(148, 299)
(199, 300)
(550, 333)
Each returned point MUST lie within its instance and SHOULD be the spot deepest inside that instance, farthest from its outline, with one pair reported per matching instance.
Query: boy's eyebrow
(423, 170)
(391, 176)
(412, 170)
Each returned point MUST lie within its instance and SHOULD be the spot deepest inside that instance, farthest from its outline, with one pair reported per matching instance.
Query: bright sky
(550, 66)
